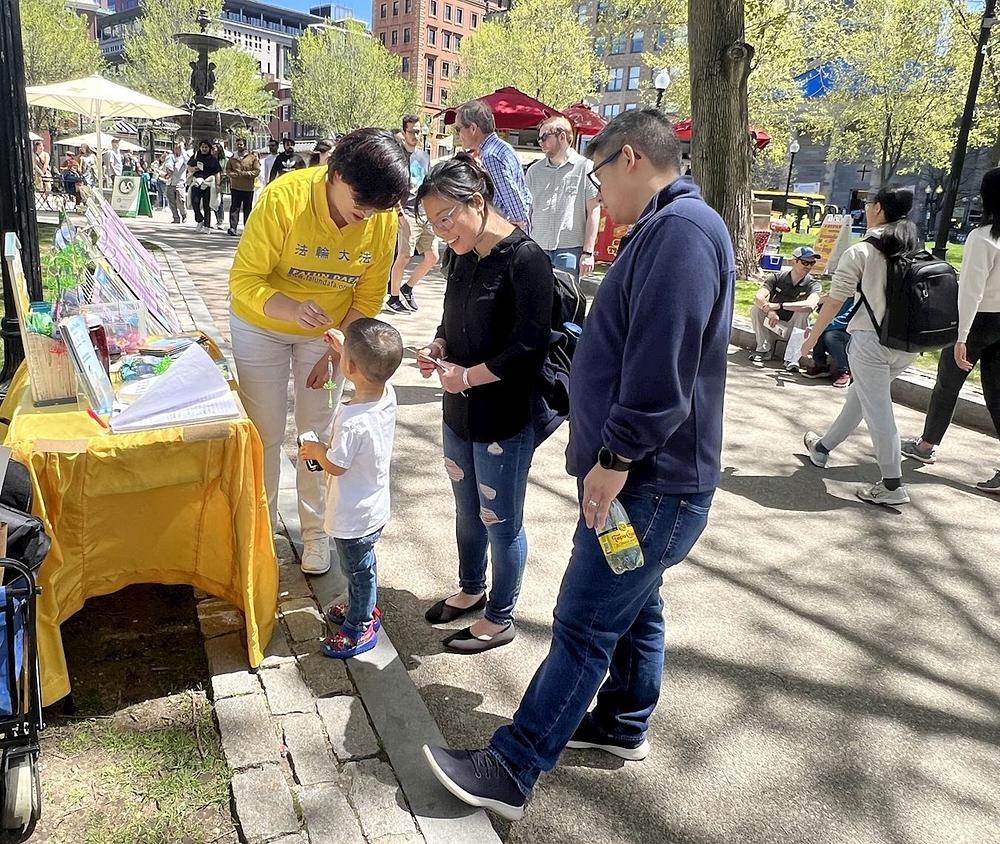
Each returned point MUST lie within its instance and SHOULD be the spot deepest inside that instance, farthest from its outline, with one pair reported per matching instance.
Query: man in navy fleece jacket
(646, 398)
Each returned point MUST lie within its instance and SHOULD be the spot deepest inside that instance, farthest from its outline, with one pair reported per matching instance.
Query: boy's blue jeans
(566, 259)
(358, 563)
(489, 481)
(603, 621)
(831, 350)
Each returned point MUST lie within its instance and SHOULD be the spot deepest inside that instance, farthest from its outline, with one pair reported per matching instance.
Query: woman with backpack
(978, 334)
(489, 352)
(863, 269)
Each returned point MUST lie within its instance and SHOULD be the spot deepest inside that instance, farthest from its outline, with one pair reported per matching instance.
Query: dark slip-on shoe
(463, 642)
(442, 613)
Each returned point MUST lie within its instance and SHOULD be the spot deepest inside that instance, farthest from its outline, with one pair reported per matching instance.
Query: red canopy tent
(760, 136)
(584, 119)
(512, 109)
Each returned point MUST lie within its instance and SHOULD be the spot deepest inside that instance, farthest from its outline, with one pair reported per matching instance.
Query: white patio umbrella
(99, 99)
(91, 141)
(33, 137)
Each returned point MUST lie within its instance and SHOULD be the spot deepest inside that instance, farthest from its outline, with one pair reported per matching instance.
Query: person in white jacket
(978, 335)
(873, 366)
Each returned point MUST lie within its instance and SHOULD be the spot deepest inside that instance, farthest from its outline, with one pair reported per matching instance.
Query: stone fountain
(206, 122)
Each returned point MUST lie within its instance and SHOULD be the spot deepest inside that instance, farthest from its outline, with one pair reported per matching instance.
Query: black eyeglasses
(545, 136)
(592, 175)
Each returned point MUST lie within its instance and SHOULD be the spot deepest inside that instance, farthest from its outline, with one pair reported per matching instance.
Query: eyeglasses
(806, 263)
(592, 175)
(446, 222)
(546, 135)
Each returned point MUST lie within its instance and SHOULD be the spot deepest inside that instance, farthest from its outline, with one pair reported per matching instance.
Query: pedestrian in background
(87, 160)
(41, 163)
(221, 184)
(267, 162)
(783, 303)
(158, 169)
(488, 352)
(477, 131)
(651, 442)
(114, 162)
(203, 172)
(864, 268)
(565, 212)
(415, 233)
(174, 171)
(287, 161)
(315, 255)
(321, 153)
(242, 168)
(978, 335)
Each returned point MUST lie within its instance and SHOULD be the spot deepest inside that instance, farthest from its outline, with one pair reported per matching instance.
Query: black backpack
(550, 399)
(921, 297)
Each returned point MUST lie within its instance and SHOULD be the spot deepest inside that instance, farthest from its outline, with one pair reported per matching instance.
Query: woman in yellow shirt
(315, 254)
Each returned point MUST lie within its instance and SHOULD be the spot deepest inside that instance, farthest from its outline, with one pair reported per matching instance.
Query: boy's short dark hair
(376, 348)
(374, 165)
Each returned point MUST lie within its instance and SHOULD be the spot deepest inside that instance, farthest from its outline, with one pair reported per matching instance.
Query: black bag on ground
(27, 540)
(921, 297)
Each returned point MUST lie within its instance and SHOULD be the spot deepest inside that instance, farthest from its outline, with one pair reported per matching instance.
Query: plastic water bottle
(618, 541)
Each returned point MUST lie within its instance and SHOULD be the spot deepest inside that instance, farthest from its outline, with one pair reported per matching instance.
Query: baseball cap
(805, 253)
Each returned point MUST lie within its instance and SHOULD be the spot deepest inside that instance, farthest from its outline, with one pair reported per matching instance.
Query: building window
(434, 7)
(394, 37)
(432, 35)
(602, 8)
(406, 64)
(661, 40)
(447, 11)
(583, 12)
(458, 42)
(612, 110)
(406, 35)
(618, 45)
(383, 10)
(598, 46)
(444, 95)
(430, 65)
(633, 78)
(475, 20)
(395, 8)
(430, 94)
(381, 37)
(447, 40)
(631, 106)
(408, 7)
(615, 78)
(638, 39)
(445, 68)
(459, 15)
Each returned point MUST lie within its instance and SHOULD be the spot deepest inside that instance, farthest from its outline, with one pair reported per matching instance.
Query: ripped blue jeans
(489, 481)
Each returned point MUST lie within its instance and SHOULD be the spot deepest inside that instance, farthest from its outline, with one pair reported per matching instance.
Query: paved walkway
(831, 670)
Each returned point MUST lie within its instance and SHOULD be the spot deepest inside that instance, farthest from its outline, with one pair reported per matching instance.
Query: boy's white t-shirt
(357, 502)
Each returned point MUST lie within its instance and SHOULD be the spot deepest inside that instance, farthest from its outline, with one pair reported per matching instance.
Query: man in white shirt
(267, 162)
(114, 161)
(174, 171)
(565, 211)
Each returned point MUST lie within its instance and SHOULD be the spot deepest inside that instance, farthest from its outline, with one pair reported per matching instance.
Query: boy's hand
(312, 451)
(335, 340)
(321, 371)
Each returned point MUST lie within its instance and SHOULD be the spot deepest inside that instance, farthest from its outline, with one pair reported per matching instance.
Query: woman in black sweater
(488, 353)
(203, 175)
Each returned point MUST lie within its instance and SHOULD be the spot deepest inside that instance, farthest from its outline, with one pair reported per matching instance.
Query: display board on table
(833, 239)
(131, 262)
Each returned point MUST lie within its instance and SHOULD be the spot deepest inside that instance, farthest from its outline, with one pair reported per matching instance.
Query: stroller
(20, 684)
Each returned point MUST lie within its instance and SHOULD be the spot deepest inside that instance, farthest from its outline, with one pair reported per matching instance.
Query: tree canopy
(342, 79)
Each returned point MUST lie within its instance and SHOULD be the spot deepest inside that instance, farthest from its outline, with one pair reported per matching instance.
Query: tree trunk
(721, 148)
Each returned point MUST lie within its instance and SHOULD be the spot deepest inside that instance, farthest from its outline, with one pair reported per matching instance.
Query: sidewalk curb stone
(293, 715)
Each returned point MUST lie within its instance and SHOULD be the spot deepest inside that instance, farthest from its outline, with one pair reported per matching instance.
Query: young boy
(357, 467)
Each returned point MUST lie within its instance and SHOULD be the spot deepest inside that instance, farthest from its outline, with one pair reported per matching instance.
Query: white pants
(873, 368)
(263, 360)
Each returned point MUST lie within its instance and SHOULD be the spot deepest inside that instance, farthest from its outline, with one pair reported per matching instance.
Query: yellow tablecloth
(176, 505)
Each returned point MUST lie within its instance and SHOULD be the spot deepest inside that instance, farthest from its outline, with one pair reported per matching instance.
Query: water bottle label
(621, 538)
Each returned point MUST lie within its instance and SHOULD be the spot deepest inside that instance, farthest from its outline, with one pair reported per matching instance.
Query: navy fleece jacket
(649, 375)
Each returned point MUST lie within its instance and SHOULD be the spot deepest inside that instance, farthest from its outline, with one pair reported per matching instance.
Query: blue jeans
(566, 259)
(831, 350)
(603, 622)
(489, 481)
(358, 563)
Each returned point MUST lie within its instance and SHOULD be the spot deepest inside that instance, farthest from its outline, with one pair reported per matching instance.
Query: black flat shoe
(442, 613)
(463, 642)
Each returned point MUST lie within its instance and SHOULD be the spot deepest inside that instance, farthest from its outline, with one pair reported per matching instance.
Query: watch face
(605, 458)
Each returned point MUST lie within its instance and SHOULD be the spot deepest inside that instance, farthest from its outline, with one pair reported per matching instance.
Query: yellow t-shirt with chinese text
(291, 245)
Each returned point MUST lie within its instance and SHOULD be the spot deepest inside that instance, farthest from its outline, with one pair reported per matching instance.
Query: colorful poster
(833, 238)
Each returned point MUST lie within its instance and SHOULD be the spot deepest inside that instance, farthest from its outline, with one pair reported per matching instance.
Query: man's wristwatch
(588, 254)
(609, 460)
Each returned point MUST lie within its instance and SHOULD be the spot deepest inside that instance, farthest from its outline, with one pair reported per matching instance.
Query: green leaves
(343, 80)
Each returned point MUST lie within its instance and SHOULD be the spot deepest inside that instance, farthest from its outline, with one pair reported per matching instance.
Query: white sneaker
(316, 557)
(878, 494)
(200, 229)
(816, 457)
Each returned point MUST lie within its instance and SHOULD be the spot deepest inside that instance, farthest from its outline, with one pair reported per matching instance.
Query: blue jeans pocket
(689, 524)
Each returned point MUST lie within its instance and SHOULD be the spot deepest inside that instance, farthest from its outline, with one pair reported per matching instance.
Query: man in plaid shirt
(477, 130)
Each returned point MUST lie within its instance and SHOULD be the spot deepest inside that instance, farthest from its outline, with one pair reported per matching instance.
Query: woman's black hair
(989, 190)
(207, 143)
(459, 179)
(374, 166)
(321, 147)
(898, 235)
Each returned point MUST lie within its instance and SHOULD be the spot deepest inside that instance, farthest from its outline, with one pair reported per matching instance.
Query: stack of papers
(192, 390)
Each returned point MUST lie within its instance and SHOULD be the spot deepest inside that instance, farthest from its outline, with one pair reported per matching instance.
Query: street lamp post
(929, 220)
(17, 200)
(661, 82)
(793, 148)
(962, 142)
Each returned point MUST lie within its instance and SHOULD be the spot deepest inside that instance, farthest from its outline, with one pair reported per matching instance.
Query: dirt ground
(139, 760)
